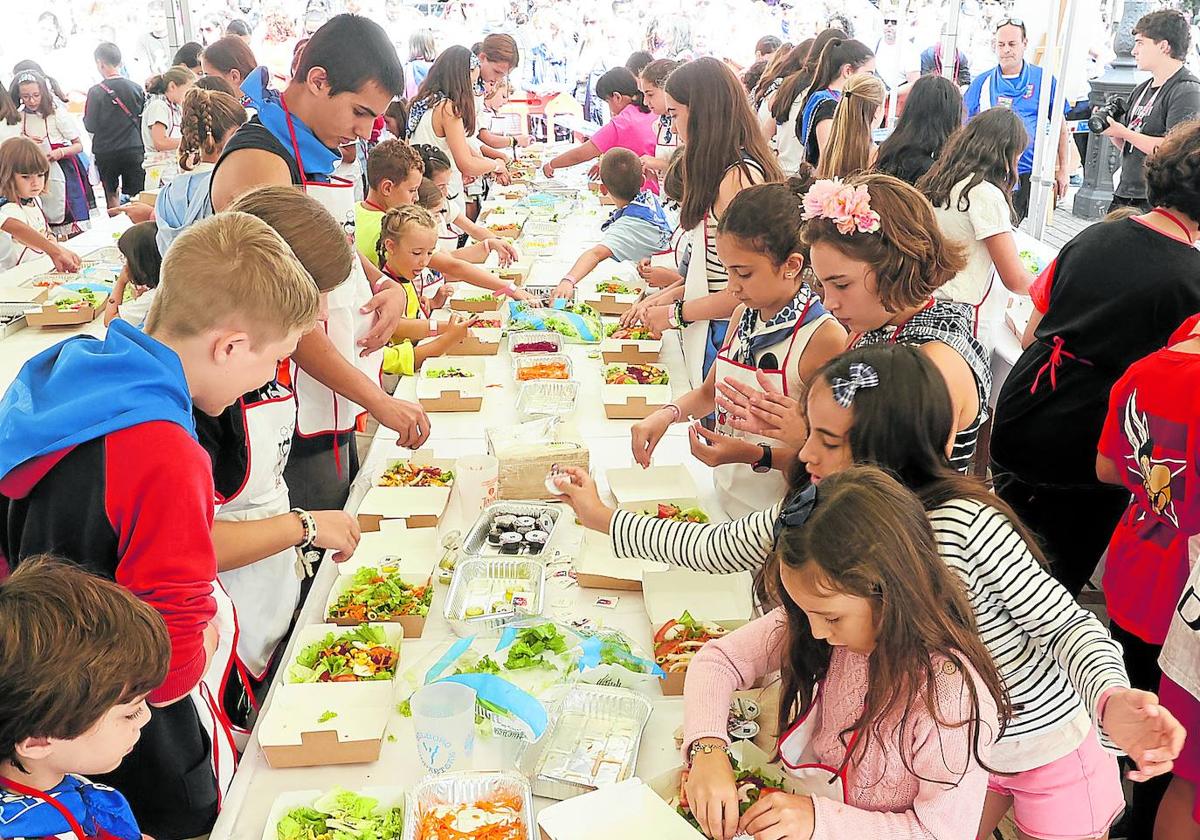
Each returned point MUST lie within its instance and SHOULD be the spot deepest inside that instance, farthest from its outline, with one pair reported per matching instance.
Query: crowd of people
(836, 303)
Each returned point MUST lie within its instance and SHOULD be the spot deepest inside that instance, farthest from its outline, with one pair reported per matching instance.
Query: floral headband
(849, 208)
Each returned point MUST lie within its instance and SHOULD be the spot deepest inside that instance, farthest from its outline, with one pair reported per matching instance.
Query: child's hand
(525, 297)
(548, 170)
(457, 327)
(337, 530)
(714, 449)
(1148, 732)
(565, 290)
(65, 259)
(783, 814)
(646, 434)
(503, 249)
(656, 318)
(763, 412)
(712, 794)
(523, 140)
(441, 296)
(578, 489)
(660, 277)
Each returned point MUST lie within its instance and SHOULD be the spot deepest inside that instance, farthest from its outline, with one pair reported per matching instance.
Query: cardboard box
(291, 733)
(388, 798)
(148, 197)
(413, 625)
(525, 465)
(627, 809)
(417, 507)
(634, 487)
(451, 395)
(414, 551)
(634, 402)
(479, 341)
(50, 316)
(516, 273)
(492, 304)
(598, 568)
(16, 300)
(347, 693)
(630, 350)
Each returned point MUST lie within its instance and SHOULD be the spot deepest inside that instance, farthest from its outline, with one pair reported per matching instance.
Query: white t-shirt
(787, 144)
(135, 311)
(893, 62)
(159, 110)
(987, 216)
(8, 130)
(13, 252)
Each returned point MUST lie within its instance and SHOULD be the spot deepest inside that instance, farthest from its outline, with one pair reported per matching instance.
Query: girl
(780, 331)
(395, 119)
(231, 59)
(651, 83)
(770, 80)
(932, 112)
(781, 111)
(24, 231)
(970, 187)
(632, 126)
(724, 152)
(840, 60)
(161, 124)
(879, 256)
(143, 264)
(10, 117)
(876, 640)
(422, 51)
(68, 208)
(858, 114)
(407, 240)
(438, 169)
(443, 115)
(1063, 670)
(208, 121)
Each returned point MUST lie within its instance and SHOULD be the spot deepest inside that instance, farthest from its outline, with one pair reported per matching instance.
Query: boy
(394, 174)
(636, 230)
(113, 116)
(99, 463)
(78, 657)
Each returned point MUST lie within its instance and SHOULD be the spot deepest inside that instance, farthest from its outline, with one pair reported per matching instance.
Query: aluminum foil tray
(476, 545)
(467, 789)
(527, 360)
(484, 583)
(517, 339)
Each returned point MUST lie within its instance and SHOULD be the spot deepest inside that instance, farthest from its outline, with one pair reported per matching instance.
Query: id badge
(1004, 102)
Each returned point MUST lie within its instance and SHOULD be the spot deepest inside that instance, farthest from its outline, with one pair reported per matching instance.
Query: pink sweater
(884, 800)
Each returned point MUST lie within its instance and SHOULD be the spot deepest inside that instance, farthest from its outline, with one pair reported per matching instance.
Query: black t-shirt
(254, 135)
(1119, 290)
(824, 111)
(224, 439)
(1154, 112)
(114, 127)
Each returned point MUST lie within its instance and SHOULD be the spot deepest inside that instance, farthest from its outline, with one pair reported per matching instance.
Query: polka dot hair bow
(861, 376)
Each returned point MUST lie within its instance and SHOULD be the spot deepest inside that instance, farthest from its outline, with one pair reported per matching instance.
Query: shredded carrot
(433, 827)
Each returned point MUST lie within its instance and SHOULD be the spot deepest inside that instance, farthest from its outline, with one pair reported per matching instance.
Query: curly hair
(983, 150)
(396, 221)
(1173, 170)
(909, 257)
(208, 119)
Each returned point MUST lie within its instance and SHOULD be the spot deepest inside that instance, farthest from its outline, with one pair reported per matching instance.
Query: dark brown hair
(429, 196)
(20, 156)
(672, 181)
(397, 109)
(983, 150)
(1173, 170)
(770, 73)
(392, 160)
(8, 111)
(139, 246)
(450, 76)
(837, 53)
(621, 173)
(208, 119)
(769, 217)
(1168, 25)
(217, 84)
(722, 132)
(501, 48)
(72, 646)
(656, 72)
(32, 77)
(869, 537)
(909, 256)
(620, 80)
(177, 75)
(231, 53)
(794, 82)
(353, 51)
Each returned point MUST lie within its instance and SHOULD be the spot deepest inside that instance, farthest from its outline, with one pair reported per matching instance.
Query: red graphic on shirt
(1156, 474)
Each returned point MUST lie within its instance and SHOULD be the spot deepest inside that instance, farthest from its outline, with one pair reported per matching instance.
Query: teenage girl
(970, 186)
(58, 137)
(779, 331)
(851, 148)
(229, 58)
(407, 240)
(838, 61)
(889, 701)
(780, 112)
(24, 231)
(888, 405)
(724, 152)
(162, 124)
(651, 82)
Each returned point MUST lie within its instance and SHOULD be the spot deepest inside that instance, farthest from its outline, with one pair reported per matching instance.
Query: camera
(1098, 121)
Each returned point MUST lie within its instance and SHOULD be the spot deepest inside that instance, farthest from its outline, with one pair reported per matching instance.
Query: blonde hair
(233, 268)
(849, 149)
(20, 156)
(396, 221)
(178, 75)
(314, 236)
(207, 120)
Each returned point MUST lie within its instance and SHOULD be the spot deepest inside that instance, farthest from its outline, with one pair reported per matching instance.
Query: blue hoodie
(180, 204)
(85, 388)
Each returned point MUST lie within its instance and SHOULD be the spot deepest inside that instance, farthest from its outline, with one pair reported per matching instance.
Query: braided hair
(394, 223)
(209, 118)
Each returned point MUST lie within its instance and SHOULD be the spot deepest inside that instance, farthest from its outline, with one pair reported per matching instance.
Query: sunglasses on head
(1011, 22)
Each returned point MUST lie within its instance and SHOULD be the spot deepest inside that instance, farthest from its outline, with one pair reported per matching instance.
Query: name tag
(1004, 102)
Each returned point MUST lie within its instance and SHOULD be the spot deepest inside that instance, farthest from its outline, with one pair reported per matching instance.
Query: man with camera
(1170, 96)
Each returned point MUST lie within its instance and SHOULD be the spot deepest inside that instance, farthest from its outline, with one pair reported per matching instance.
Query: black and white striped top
(1049, 651)
(953, 325)
(718, 276)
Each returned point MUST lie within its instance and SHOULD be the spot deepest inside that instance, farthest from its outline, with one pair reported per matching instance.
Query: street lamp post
(1103, 158)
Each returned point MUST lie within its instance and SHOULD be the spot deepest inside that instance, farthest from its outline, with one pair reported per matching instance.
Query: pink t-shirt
(631, 129)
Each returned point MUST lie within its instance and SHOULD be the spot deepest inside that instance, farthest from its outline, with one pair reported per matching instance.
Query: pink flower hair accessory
(849, 208)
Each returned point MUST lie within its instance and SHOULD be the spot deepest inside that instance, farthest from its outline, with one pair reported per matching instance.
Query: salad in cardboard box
(364, 654)
(338, 814)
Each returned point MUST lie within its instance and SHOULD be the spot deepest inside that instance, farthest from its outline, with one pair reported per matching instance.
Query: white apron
(265, 592)
(740, 489)
(1180, 658)
(695, 286)
(666, 141)
(53, 200)
(799, 760)
(321, 411)
(207, 694)
(36, 218)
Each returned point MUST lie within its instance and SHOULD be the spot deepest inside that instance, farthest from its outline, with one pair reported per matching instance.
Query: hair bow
(796, 510)
(861, 376)
(849, 208)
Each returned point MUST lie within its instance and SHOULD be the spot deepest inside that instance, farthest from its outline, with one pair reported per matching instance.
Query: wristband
(683, 322)
(433, 327)
(310, 529)
(506, 291)
(707, 749)
(567, 278)
(676, 410)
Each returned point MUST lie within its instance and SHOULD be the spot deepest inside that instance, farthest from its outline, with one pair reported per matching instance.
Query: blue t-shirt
(1022, 94)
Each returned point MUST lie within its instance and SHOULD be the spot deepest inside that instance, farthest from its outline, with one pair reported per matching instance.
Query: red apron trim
(1057, 354)
(17, 787)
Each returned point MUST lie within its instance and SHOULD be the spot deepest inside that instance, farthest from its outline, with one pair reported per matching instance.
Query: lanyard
(1187, 234)
(295, 145)
(17, 787)
(373, 205)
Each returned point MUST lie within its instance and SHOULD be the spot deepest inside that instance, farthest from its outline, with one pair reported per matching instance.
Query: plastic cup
(443, 716)
(476, 477)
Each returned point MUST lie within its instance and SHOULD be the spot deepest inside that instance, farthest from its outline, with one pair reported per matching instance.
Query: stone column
(1103, 158)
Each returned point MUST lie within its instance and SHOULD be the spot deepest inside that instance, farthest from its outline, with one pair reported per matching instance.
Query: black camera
(1098, 121)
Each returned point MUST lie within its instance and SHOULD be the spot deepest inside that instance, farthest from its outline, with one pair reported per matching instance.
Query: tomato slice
(662, 631)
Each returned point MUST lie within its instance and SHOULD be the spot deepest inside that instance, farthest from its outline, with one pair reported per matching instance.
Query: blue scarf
(667, 136)
(645, 207)
(810, 108)
(756, 335)
(318, 160)
(100, 811)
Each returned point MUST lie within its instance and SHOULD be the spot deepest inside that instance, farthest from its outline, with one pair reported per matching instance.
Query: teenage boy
(113, 116)
(1015, 83)
(1170, 96)
(99, 463)
(78, 657)
(344, 79)
(635, 231)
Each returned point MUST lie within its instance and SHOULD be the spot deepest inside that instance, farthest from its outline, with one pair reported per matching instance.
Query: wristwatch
(763, 464)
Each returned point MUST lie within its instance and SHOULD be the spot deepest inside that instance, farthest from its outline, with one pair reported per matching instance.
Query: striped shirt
(1049, 651)
(952, 324)
(718, 276)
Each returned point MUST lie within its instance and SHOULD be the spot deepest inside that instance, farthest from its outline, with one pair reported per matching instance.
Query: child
(879, 256)
(208, 121)
(162, 124)
(652, 82)
(395, 119)
(408, 236)
(859, 112)
(430, 197)
(781, 332)
(58, 137)
(113, 116)
(394, 173)
(78, 657)
(636, 230)
(24, 231)
(876, 640)
(99, 462)
(143, 263)
(437, 169)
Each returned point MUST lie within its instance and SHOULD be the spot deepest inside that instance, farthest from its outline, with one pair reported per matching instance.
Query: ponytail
(157, 85)
(208, 118)
(620, 80)
(435, 159)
